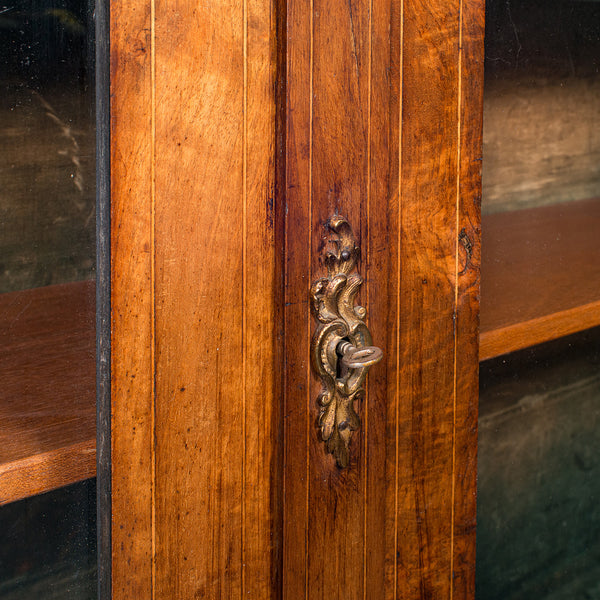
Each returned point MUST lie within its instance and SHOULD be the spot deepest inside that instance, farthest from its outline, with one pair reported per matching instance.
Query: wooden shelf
(48, 395)
(540, 275)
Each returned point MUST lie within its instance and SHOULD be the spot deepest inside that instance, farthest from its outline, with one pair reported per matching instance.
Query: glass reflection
(538, 524)
(47, 257)
(541, 103)
(47, 162)
(48, 548)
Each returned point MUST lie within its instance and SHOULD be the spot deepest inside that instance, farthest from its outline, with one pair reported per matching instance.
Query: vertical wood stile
(239, 127)
(195, 276)
(336, 162)
(385, 109)
(262, 562)
(427, 297)
(439, 302)
(467, 310)
(297, 320)
(379, 268)
(393, 339)
(132, 369)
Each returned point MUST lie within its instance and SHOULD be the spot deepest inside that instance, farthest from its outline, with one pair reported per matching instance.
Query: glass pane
(47, 170)
(538, 523)
(47, 299)
(541, 103)
(538, 532)
(48, 546)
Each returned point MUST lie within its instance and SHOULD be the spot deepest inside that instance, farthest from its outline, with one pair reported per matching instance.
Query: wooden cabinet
(237, 130)
(47, 324)
(47, 300)
(541, 275)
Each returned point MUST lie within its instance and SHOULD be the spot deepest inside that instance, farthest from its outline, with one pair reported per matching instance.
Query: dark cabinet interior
(47, 299)
(539, 440)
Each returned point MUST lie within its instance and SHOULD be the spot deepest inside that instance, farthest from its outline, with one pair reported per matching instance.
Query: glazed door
(240, 128)
(47, 300)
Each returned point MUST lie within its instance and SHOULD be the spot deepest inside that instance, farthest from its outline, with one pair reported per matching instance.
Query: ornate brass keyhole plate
(341, 349)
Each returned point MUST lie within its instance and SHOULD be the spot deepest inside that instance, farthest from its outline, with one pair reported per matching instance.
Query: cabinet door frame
(261, 77)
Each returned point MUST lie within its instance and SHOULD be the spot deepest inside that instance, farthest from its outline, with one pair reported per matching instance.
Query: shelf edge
(47, 471)
(537, 331)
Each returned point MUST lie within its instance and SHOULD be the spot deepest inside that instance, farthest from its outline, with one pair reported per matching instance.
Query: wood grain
(341, 89)
(378, 131)
(375, 126)
(392, 325)
(539, 330)
(46, 471)
(428, 244)
(436, 402)
(298, 419)
(195, 348)
(216, 361)
(262, 305)
(327, 171)
(200, 406)
(47, 400)
(540, 275)
(468, 261)
(132, 300)
(380, 296)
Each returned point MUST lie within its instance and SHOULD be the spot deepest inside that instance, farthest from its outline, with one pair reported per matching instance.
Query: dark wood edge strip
(537, 331)
(103, 386)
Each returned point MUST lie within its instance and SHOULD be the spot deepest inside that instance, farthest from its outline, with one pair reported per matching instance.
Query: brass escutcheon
(341, 349)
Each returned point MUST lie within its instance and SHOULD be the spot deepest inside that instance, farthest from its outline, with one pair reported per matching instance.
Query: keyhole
(341, 370)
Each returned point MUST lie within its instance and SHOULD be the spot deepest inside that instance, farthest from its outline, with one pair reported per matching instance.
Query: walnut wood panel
(467, 309)
(216, 437)
(380, 296)
(381, 129)
(298, 411)
(376, 126)
(132, 299)
(47, 397)
(438, 305)
(392, 326)
(541, 275)
(341, 90)
(195, 297)
(327, 167)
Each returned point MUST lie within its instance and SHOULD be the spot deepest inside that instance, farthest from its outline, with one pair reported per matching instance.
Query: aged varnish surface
(194, 438)
(375, 132)
(238, 130)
